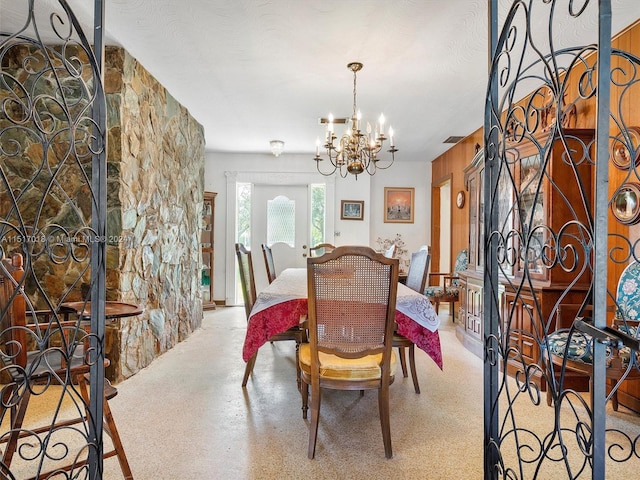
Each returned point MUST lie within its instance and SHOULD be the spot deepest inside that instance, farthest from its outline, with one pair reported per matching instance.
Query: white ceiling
(255, 70)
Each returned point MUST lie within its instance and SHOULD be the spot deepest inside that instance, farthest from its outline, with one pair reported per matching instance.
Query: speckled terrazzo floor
(187, 417)
(200, 424)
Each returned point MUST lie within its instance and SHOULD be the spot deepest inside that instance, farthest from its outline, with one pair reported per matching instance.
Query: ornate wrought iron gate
(52, 213)
(562, 199)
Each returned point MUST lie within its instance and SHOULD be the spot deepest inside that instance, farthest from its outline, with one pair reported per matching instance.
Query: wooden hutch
(526, 307)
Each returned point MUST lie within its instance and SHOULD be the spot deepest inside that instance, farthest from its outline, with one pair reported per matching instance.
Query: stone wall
(155, 193)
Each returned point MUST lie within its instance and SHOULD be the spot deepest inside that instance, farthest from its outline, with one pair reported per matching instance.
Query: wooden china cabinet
(548, 201)
(470, 311)
(206, 247)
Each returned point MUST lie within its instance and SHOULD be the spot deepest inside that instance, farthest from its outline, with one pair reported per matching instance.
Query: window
(243, 209)
(281, 221)
(318, 199)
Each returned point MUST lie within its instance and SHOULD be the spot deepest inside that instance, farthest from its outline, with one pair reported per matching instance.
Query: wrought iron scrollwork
(536, 105)
(50, 90)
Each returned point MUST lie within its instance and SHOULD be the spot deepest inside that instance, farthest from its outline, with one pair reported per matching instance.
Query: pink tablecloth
(284, 303)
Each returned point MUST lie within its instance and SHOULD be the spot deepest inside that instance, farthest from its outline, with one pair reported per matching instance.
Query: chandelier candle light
(357, 151)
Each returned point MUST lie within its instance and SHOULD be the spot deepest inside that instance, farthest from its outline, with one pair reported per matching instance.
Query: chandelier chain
(355, 107)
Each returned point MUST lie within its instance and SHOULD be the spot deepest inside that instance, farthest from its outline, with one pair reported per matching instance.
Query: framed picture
(398, 204)
(352, 210)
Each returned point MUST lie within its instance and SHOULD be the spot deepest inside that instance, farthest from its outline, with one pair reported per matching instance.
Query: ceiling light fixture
(356, 151)
(277, 147)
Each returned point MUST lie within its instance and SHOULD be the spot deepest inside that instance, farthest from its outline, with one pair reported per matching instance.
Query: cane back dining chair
(574, 348)
(247, 280)
(268, 263)
(351, 317)
(416, 280)
(447, 288)
(38, 350)
(321, 249)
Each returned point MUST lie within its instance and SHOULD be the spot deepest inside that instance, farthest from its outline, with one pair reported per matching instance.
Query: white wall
(369, 189)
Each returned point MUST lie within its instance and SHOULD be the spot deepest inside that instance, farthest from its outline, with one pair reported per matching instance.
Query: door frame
(267, 178)
(436, 214)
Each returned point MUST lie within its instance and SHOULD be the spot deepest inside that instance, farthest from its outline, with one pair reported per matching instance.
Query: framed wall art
(352, 210)
(398, 204)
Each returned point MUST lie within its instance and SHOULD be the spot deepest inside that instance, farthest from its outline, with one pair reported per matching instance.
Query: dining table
(283, 304)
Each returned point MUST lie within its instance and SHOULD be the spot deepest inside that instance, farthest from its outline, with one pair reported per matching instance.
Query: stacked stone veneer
(155, 193)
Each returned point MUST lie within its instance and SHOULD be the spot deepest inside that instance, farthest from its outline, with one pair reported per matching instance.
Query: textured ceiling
(255, 70)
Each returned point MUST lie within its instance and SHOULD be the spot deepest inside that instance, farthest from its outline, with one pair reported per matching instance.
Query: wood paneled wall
(451, 163)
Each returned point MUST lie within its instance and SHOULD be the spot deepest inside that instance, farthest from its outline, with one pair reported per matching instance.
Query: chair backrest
(391, 251)
(12, 312)
(245, 265)
(268, 263)
(461, 262)
(352, 302)
(628, 293)
(460, 266)
(321, 249)
(42, 340)
(627, 303)
(419, 269)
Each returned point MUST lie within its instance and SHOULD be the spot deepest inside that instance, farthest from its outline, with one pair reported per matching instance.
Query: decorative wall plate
(460, 199)
(626, 204)
(620, 152)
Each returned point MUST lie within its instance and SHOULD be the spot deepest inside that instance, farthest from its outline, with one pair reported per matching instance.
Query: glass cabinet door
(480, 258)
(473, 221)
(532, 216)
(506, 214)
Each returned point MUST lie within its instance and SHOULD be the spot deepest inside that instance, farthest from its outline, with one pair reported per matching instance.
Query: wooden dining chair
(416, 280)
(447, 287)
(39, 349)
(321, 249)
(268, 263)
(573, 350)
(352, 300)
(247, 280)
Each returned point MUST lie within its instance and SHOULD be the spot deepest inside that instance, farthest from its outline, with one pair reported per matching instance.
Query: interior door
(280, 219)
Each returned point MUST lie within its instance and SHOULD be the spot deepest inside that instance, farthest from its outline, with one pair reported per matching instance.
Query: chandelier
(356, 152)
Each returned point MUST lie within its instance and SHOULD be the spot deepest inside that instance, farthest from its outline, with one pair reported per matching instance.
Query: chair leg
(248, 369)
(436, 305)
(549, 396)
(112, 431)
(315, 416)
(305, 399)
(109, 424)
(412, 364)
(18, 408)
(383, 407)
(614, 401)
(403, 362)
(298, 381)
(453, 310)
